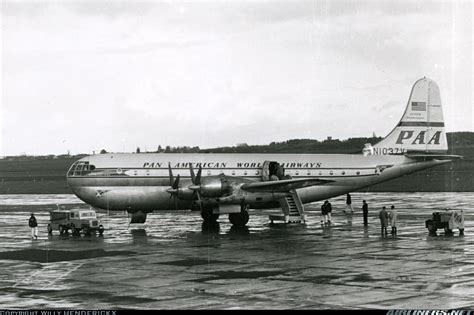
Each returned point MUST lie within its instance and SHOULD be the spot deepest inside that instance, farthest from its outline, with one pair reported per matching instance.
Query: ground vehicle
(76, 220)
(447, 220)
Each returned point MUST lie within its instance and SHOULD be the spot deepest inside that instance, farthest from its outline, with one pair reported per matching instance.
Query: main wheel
(50, 229)
(239, 219)
(208, 216)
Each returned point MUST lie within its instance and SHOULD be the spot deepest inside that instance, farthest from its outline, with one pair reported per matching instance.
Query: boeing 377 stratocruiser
(217, 184)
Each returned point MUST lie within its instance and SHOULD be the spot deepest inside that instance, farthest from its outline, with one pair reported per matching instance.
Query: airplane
(217, 184)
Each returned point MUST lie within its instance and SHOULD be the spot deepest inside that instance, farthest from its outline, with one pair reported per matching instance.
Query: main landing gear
(208, 216)
(239, 219)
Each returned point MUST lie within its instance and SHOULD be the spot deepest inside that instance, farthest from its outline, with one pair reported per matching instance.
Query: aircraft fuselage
(139, 182)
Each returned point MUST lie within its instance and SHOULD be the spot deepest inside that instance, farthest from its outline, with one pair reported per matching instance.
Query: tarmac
(176, 262)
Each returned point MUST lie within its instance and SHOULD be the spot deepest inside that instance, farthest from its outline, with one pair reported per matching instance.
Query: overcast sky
(87, 75)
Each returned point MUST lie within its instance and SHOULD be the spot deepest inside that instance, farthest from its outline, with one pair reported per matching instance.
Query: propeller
(196, 186)
(174, 183)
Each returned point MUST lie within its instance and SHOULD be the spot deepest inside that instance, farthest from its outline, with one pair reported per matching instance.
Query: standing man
(349, 203)
(383, 216)
(393, 220)
(324, 213)
(329, 210)
(365, 211)
(34, 226)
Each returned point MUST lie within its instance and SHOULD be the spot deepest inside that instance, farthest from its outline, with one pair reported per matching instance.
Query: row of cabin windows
(258, 173)
(82, 168)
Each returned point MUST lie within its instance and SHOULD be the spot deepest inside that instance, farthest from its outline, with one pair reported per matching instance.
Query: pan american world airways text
(305, 165)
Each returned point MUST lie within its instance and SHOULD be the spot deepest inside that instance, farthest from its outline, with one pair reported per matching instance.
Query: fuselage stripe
(420, 124)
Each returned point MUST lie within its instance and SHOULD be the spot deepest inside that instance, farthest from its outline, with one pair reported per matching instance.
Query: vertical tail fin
(421, 128)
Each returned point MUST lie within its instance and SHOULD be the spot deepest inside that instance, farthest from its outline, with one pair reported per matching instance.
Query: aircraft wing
(429, 157)
(283, 185)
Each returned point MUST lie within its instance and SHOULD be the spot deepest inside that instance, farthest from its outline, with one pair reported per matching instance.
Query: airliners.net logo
(430, 312)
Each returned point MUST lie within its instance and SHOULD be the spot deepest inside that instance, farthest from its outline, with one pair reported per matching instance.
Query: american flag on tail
(418, 106)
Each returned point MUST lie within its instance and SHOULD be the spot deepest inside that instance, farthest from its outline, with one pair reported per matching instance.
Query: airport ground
(174, 262)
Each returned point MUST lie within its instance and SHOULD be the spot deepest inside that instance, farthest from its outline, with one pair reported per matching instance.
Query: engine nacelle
(185, 193)
(214, 187)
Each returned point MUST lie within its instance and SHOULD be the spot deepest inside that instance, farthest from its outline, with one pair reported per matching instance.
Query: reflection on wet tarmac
(176, 261)
(213, 227)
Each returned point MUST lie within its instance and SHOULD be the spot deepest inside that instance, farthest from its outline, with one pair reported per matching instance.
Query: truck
(447, 220)
(75, 220)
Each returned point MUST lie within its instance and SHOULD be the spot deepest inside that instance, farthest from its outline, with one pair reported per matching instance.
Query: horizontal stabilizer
(429, 157)
(283, 185)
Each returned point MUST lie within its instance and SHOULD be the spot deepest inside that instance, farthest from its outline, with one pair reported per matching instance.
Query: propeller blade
(170, 174)
(191, 170)
(198, 176)
(176, 183)
(199, 200)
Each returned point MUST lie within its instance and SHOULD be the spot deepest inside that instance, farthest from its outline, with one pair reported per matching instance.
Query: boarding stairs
(292, 208)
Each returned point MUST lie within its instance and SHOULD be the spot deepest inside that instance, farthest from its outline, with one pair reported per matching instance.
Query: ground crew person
(324, 213)
(349, 204)
(329, 210)
(393, 220)
(461, 223)
(34, 226)
(383, 216)
(365, 211)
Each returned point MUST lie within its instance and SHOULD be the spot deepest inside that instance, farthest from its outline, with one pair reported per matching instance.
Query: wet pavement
(176, 262)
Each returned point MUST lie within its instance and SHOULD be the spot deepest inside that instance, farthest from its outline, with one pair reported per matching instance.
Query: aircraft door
(272, 171)
(266, 171)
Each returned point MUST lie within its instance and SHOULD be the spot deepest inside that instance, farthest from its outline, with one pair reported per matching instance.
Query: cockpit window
(80, 168)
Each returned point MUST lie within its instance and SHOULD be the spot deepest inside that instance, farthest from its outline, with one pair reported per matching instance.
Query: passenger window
(72, 215)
